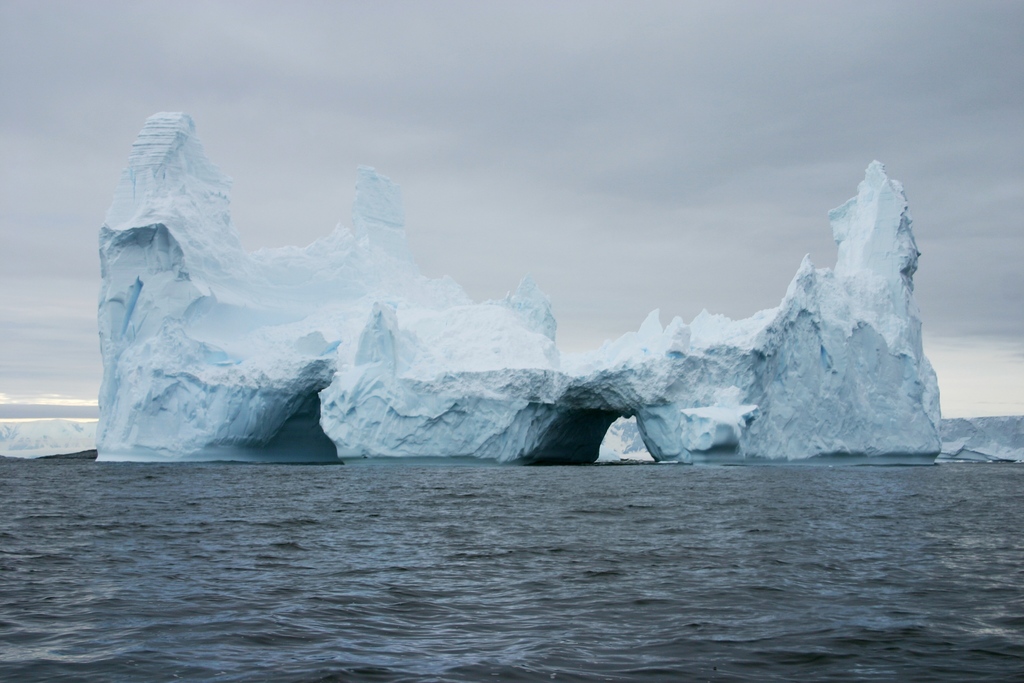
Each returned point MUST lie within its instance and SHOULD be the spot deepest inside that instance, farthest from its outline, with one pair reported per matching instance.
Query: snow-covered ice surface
(343, 347)
(32, 438)
(983, 439)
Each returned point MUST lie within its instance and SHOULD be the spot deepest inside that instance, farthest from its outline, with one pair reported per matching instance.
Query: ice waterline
(343, 348)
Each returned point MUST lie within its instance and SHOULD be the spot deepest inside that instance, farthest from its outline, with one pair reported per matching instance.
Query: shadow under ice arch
(211, 352)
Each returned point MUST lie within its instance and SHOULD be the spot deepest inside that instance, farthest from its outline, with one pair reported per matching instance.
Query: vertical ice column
(878, 253)
(876, 247)
(378, 215)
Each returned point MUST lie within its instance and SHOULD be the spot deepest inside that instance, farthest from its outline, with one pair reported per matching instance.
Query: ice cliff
(344, 348)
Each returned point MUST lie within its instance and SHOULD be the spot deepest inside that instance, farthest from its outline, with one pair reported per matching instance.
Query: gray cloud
(628, 155)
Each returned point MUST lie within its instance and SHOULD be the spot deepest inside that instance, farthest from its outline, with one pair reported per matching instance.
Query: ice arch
(210, 351)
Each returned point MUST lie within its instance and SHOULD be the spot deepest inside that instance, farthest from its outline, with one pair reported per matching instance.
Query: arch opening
(571, 437)
(623, 442)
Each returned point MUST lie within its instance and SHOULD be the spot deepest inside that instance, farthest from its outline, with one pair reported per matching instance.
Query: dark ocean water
(434, 573)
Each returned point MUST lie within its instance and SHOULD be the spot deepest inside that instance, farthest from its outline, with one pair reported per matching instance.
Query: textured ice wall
(983, 439)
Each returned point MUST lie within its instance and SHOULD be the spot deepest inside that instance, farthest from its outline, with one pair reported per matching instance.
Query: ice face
(211, 352)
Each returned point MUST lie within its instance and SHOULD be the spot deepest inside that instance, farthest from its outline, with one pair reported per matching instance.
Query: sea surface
(415, 572)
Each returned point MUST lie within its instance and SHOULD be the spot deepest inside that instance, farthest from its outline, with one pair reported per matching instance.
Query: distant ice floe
(983, 439)
(980, 439)
(34, 438)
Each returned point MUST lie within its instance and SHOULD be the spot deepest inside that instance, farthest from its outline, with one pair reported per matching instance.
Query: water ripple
(161, 573)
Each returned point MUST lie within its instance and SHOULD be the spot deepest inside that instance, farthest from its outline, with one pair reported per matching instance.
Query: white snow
(343, 347)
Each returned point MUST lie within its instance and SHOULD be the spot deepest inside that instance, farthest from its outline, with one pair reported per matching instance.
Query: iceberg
(344, 349)
(983, 439)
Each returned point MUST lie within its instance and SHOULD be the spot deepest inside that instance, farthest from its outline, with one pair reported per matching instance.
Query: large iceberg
(343, 348)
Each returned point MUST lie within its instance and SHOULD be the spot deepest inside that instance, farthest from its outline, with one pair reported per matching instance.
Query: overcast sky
(629, 155)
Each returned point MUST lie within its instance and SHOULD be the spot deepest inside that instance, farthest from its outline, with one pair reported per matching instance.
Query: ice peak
(169, 180)
(162, 135)
(377, 214)
(535, 307)
(168, 147)
(873, 230)
(650, 329)
(378, 200)
(875, 173)
(378, 343)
